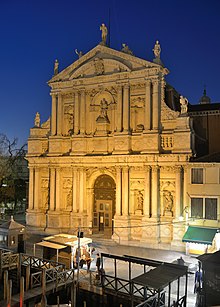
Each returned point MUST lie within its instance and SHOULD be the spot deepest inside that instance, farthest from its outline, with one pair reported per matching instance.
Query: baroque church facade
(113, 157)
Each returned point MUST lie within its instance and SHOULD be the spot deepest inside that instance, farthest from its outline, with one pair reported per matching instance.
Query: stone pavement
(108, 246)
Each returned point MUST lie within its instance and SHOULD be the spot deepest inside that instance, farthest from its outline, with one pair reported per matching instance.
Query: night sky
(35, 33)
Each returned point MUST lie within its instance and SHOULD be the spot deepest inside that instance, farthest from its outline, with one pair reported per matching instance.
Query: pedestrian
(98, 262)
(180, 261)
(198, 280)
(88, 260)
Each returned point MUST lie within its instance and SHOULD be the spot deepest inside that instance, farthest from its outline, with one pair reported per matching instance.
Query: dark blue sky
(33, 33)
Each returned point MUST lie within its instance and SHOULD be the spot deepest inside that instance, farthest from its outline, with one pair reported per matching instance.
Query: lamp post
(79, 235)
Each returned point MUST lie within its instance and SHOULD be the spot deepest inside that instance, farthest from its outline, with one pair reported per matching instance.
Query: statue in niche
(56, 67)
(168, 203)
(37, 120)
(103, 108)
(79, 53)
(157, 50)
(184, 104)
(140, 200)
(69, 199)
(104, 30)
(45, 198)
(126, 49)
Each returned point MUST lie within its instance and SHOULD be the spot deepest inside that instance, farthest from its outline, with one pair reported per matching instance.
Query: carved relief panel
(44, 204)
(68, 119)
(67, 194)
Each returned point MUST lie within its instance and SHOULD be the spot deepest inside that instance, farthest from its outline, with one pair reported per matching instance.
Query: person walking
(98, 262)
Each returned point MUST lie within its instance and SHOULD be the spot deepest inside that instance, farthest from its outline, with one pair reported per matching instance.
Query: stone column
(155, 192)
(36, 189)
(54, 115)
(75, 190)
(185, 195)
(155, 105)
(126, 108)
(82, 112)
(132, 208)
(118, 191)
(178, 210)
(125, 191)
(81, 190)
(147, 107)
(31, 188)
(59, 115)
(58, 187)
(147, 191)
(52, 189)
(119, 109)
(76, 114)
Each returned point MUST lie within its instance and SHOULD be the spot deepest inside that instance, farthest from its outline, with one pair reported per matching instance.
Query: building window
(211, 208)
(197, 208)
(204, 208)
(197, 175)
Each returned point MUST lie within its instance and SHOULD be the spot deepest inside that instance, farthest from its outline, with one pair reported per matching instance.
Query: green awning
(202, 235)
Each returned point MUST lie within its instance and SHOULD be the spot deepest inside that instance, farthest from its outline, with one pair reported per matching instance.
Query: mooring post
(9, 291)
(43, 299)
(5, 284)
(0, 264)
(21, 291)
(28, 273)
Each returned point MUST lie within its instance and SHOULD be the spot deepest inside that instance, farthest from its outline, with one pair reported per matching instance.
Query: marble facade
(112, 156)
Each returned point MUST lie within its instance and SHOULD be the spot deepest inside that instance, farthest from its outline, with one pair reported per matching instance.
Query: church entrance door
(104, 205)
(104, 214)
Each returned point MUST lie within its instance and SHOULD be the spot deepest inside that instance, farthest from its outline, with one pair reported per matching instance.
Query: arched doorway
(104, 205)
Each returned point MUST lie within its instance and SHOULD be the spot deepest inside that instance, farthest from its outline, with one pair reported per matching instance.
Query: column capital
(155, 168)
(147, 168)
(178, 168)
(147, 82)
(126, 86)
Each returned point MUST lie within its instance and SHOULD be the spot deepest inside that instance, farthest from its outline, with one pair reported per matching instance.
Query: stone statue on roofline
(157, 52)
(126, 49)
(37, 120)
(104, 30)
(79, 53)
(56, 67)
(183, 104)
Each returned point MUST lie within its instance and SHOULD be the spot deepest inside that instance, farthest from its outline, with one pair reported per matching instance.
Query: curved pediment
(99, 66)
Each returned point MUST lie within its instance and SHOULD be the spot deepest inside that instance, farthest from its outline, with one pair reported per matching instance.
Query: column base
(122, 230)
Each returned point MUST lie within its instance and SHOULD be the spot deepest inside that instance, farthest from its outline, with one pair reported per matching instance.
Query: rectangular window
(211, 208)
(197, 175)
(204, 208)
(197, 208)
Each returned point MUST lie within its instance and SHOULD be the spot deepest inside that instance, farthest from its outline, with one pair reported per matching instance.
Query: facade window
(211, 208)
(204, 208)
(197, 175)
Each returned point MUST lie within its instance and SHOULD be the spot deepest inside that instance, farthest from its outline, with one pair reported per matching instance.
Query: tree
(13, 171)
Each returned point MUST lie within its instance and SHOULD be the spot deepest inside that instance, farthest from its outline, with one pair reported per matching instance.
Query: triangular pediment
(103, 60)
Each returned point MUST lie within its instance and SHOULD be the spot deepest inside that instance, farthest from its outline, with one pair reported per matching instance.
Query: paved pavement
(107, 246)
